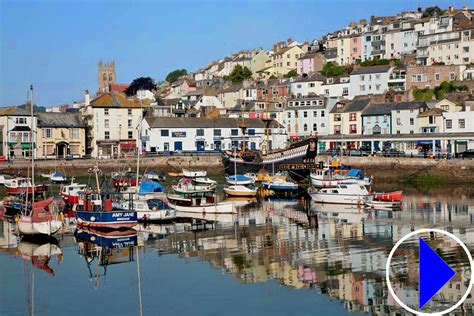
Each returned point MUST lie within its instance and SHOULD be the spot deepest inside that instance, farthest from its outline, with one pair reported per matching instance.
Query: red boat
(70, 193)
(21, 185)
(129, 179)
(395, 196)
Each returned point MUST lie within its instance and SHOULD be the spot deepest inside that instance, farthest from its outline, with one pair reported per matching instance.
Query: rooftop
(352, 106)
(60, 120)
(112, 100)
(200, 122)
(371, 70)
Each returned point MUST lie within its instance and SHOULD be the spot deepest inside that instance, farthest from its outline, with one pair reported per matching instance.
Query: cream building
(60, 135)
(112, 122)
(286, 59)
(259, 61)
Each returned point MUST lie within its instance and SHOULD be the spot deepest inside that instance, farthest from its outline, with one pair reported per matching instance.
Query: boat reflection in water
(108, 247)
(39, 252)
(340, 213)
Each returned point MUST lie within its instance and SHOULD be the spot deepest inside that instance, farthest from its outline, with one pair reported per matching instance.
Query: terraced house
(15, 132)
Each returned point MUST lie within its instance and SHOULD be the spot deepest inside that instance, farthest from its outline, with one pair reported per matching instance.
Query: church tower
(106, 76)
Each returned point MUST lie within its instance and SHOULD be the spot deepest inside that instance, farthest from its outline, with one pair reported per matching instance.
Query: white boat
(280, 185)
(199, 205)
(228, 218)
(152, 175)
(154, 209)
(39, 222)
(342, 194)
(56, 177)
(194, 174)
(240, 179)
(239, 190)
(340, 213)
(324, 178)
(187, 187)
(5, 179)
(204, 181)
(70, 193)
(383, 205)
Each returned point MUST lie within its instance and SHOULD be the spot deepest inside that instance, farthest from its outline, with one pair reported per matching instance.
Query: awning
(128, 146)
(20, 129)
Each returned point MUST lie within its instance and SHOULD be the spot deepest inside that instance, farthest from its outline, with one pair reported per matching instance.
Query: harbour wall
(381, 168)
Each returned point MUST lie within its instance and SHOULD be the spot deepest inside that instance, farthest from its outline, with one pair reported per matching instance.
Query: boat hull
(341, 198)
(28, 227)
(395, 196)
(39, 189)
(125, 239)
(240, 193)
(219, 208)
(106, 219)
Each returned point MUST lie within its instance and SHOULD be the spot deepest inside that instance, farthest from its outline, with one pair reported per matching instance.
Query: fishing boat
(194, 174)
(70, 193)
(199, 204)
(252, 161)
(155, 209)
(123, 180)
(384, 205)
(342, 194)
(395, 196)
(204, 181)
(240, 190)
(186, 186)
(240, 179)
(39, 221)
(23, 185)
(56, 177)
(280, 185)
(326, 177)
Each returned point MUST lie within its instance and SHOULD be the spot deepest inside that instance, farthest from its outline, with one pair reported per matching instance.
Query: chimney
(87, 98)
(450, 8)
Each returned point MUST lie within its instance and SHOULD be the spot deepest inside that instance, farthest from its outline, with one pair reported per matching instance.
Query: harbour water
(275, 257)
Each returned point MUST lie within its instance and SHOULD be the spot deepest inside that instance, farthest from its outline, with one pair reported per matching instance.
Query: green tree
(331, 69)
(272, 77)
(432, 11)
(291, 74)
(141, 83)
(175, 74)
(239, 74)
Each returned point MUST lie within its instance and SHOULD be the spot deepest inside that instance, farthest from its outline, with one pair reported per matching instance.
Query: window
(352, 117)
(353, 128)
(462, 123)
(315, 127)
(48, 133)
(106, 111)
(362, 77)
(315, 113)
(337, 129)
(200, 132)
(20, 120)
(449, 124)
(233, 132)
(323, 113)
(251, 131)
(305, 127)
(337, 117)
(217, 132)
(412, 121)
(130, 134)
(345, 91)
(165, 133)
(437, 77)
(377, 87)
(385, 118)
(129, 123)
(129, 111)
(73, 133)
(305, 114)
(326, 91)
(399, 121)
(377, 76)
(298, 86)
(289, 114)
(312, 84)
(362, 88)
(431, 119)
(452, 76)
(106, 135)
(106, 123)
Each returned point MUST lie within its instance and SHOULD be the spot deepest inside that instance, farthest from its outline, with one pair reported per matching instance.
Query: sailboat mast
(139, 142)
(32, 149)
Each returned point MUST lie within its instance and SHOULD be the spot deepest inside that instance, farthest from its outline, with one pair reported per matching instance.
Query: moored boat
(280, 185)
(56, 177)
(186, 186)
(5, 179)
(194, 174)
(154, 176)
(204, 181)
(395, 196)
(240, 179)
(240, 190)
(70, 193)
(342, 194)
(206, 204)
(327, 177)
(23, 185)
(384, 205)
(154, 209)
(39, 221)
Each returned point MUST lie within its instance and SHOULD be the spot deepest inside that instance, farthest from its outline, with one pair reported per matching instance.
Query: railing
(397, 77)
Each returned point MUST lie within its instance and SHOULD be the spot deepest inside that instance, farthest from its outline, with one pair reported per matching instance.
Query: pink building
(310, 63)
(187, 85)
(356, 48)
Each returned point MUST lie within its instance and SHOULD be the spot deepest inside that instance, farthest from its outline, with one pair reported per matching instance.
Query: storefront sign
(178, 134)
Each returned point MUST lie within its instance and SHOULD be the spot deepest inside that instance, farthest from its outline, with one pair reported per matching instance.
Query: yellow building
(431, 121)
(286, 59)
(60, 135)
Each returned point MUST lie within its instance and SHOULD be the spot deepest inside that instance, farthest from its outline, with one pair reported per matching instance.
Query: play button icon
(434, 273)
(421, 281)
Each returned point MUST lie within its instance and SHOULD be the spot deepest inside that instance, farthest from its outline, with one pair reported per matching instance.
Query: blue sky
(55, 45)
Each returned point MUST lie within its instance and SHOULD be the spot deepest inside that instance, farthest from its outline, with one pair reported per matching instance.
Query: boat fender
(92, 218)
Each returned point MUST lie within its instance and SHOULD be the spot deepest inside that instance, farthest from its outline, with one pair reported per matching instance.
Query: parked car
(466, 154)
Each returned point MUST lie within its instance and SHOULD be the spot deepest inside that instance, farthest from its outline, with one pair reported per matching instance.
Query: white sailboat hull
(321, 183)
(159, 215)
(219, 208)
(26, 227)
(341, 198)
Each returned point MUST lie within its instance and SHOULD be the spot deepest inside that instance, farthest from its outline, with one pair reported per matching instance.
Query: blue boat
(122, 239)
(95, 210)
(280, 185)
(240, 179)
(151, 187)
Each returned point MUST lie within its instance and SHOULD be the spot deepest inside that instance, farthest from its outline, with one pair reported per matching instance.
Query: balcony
(423, 42)
(422, 53)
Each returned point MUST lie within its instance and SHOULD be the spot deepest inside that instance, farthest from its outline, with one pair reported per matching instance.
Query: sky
(56, 45)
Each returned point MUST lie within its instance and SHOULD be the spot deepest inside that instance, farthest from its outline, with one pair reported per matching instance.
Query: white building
(460, 121)
(173, 134)
(404, 117)
(336, 87)
(306, 86)
(208, 100)
(15, 132)
(112, 120)
(369, 80)
(306, 116)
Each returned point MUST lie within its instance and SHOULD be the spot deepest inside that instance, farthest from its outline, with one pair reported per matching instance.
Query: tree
(175, 74)
(331, 69)
(239, 74)
(292, 73)
(432, 11)
(272, 77)
(142, 83)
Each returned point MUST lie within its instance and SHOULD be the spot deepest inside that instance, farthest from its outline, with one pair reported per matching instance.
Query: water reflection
(336, 251)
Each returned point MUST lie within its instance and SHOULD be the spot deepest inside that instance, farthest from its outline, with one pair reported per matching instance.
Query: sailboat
(38, 220)
(237, 189)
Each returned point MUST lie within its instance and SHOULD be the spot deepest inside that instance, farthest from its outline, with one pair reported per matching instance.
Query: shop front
(127, 148)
